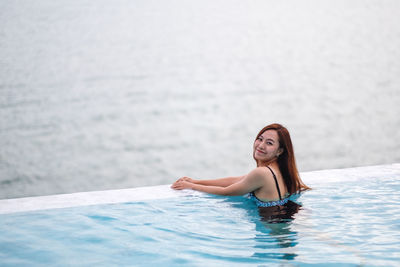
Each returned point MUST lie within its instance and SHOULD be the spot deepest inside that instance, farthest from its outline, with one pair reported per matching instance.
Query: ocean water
(101, 95)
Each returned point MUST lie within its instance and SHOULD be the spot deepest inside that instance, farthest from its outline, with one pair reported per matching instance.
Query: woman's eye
(269, 143)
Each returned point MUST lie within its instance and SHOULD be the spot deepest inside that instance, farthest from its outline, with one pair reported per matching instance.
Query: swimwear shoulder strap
(276, 182)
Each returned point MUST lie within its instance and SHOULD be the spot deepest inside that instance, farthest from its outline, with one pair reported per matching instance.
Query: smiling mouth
(259, 151)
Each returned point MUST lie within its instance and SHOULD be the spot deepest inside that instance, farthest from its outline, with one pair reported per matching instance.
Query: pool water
(350, 222)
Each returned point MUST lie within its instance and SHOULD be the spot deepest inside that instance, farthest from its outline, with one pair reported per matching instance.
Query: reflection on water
(279, 214)
(275, 238)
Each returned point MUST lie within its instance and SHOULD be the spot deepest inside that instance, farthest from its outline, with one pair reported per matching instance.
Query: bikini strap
(276, 182)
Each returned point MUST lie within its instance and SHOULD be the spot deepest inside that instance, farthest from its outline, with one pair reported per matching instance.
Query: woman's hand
(183, 183)
(187, 179)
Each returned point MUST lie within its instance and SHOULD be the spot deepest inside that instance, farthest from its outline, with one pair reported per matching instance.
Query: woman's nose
(261, 145)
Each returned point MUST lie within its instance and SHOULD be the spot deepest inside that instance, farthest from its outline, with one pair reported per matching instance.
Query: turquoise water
(346, 223)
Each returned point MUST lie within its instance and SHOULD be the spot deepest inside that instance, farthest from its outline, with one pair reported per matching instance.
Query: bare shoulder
(258, 173)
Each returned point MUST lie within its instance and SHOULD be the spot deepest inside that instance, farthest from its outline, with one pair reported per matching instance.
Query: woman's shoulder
(261, 176)
(259, 172)
(265, 172)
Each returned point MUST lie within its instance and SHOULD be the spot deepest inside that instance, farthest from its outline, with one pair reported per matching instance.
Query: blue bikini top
(261, 203)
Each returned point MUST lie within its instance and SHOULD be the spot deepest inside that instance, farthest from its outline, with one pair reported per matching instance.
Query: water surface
(351, 222)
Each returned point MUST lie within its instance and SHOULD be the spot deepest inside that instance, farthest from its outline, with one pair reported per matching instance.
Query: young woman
(271, 184)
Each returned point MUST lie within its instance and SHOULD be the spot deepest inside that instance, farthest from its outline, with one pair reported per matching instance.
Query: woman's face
(266, 146)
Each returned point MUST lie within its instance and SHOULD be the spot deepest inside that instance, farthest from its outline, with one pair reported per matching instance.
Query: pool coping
(312, 178)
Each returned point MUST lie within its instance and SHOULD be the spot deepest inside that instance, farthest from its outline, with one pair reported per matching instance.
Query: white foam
(164, 191)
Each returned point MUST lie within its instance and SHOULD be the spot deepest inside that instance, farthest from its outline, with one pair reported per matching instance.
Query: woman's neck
(266, 163)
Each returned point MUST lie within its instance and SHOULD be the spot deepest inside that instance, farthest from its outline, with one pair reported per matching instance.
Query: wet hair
(286, 160)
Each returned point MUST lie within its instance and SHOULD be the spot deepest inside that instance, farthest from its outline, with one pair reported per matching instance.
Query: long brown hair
(286, 160)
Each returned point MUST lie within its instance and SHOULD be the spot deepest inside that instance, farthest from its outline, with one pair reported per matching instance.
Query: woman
(270, 184)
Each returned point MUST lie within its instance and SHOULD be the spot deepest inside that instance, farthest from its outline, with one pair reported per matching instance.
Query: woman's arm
(248, 183)
(227, 181)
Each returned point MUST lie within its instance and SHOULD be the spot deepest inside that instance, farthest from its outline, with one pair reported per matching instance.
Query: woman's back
(274, 187)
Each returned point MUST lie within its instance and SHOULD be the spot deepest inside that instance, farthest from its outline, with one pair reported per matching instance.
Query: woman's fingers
(177, 185)
(181, 179)
(183, 183)
(180, 184)
(184, 179)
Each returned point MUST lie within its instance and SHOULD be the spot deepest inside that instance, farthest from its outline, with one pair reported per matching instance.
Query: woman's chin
(261, 159)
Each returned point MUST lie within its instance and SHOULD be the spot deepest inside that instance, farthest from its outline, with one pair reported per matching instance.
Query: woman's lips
(261, 152)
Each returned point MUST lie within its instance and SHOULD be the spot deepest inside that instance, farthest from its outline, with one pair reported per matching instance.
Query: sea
(98, 95)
